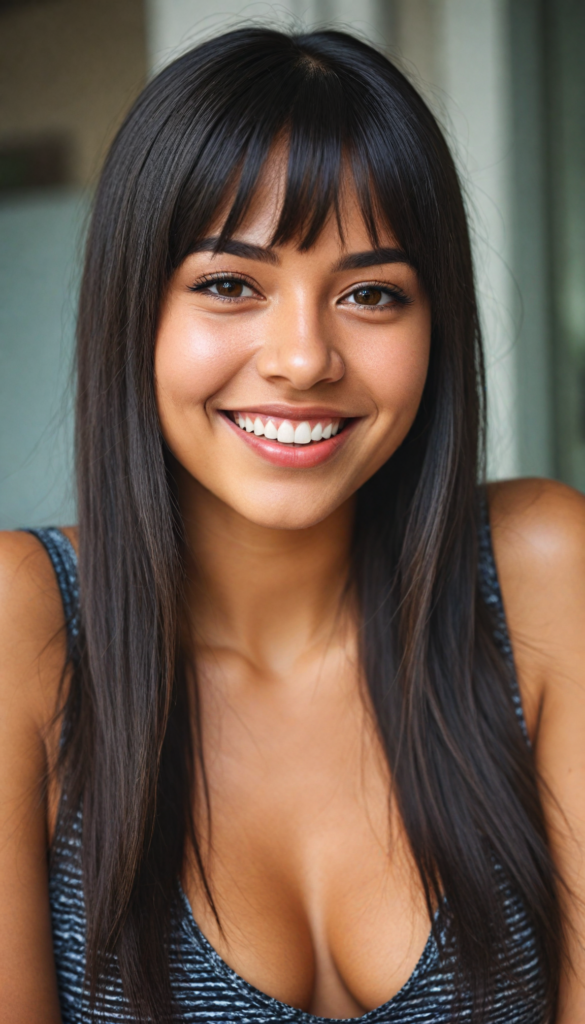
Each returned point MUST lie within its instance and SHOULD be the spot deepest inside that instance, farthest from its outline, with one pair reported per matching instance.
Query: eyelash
(395, 293)
(399, 297)
(210, 279)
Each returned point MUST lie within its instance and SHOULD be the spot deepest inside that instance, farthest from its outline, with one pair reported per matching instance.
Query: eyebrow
(231, 246)
(249, 251)
(371, 258)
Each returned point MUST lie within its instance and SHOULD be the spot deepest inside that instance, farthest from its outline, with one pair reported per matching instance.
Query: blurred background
(506, 78)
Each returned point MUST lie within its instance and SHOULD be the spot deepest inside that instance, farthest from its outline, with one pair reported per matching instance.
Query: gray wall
(39, 262)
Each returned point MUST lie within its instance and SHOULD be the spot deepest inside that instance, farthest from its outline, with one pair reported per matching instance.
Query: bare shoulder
(539, 542)
(32, 660)
(538, 529)
(32, 635)
(540, 520)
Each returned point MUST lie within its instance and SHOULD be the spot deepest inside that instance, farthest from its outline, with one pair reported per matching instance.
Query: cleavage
(319, 902)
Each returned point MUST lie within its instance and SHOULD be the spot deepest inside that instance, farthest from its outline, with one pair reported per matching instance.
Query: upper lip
(291, 412)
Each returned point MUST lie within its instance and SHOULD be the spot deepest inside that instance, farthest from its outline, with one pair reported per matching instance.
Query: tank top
(205, 988)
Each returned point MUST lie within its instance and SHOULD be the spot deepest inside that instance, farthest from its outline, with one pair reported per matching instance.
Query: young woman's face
(285, 379)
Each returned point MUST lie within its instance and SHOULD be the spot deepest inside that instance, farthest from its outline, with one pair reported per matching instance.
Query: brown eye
(230, 288)
(368, 296)
(225, 288)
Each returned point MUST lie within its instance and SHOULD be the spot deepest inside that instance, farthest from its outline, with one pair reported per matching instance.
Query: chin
(287, 512)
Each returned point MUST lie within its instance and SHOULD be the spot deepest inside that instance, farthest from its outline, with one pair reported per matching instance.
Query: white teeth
(286, 432)
(303, 433)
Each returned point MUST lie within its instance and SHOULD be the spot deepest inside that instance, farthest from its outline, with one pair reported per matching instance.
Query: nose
(300, 350)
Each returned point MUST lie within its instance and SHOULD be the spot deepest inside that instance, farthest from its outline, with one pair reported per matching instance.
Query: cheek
(400, 382)
(191, 364)
(394, 370)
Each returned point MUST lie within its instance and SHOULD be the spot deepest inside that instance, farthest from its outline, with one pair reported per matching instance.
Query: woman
(283, 703)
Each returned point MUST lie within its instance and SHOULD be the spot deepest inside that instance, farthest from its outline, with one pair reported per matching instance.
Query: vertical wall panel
(531, 238)
(473, 66)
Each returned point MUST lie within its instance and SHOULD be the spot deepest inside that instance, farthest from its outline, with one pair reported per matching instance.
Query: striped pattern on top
(205, 988)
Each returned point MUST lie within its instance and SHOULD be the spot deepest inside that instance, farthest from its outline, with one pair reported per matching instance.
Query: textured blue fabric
(64, 559)
(205, 988)
(490, 590)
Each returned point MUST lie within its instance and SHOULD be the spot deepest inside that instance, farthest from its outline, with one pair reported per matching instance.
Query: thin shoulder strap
(64, 559)
(489, 586)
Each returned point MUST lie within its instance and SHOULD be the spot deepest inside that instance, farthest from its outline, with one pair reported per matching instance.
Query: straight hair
(195, 143)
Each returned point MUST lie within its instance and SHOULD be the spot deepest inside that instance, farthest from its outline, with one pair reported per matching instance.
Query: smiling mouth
(288, 432)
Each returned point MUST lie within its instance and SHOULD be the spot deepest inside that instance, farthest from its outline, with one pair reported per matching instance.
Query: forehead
(345, 225)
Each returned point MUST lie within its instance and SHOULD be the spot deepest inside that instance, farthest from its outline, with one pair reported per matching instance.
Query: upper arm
(539, 541)
(32, 651)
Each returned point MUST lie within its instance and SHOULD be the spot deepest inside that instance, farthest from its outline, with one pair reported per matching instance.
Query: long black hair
(462, 775)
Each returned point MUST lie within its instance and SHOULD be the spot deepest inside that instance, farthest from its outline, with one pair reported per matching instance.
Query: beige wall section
(70, 67)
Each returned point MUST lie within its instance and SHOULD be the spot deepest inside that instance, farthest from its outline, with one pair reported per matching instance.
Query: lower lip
(294, 456)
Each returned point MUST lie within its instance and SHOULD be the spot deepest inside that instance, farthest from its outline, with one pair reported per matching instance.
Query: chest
(317, 896)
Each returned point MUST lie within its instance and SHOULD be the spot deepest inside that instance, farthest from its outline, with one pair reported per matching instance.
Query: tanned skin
(319, 899)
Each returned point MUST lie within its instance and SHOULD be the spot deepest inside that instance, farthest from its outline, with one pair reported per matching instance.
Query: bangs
(338, 130)
(321, 163)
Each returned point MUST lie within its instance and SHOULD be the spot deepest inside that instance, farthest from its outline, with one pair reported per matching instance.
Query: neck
(263, 592)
